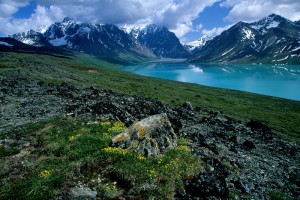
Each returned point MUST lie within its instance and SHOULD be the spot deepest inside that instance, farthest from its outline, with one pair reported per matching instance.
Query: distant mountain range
(104, 41)
(272, 39)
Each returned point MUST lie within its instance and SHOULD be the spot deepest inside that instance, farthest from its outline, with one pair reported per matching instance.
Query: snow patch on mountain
(271, 21)
(283, 58)
(28, 41)
(296, 49)
(190, 46)
(273, 24)
(248, 34)
(228, 50)
(59, 41)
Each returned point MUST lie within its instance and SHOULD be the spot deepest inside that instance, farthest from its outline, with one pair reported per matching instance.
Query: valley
(43, 94)
(75, 125)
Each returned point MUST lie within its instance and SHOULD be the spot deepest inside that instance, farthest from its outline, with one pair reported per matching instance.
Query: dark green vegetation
(282, 115)
(63, 148)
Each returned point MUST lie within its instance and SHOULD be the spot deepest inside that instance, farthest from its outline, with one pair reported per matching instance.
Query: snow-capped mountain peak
(190, 46)
(271, 21)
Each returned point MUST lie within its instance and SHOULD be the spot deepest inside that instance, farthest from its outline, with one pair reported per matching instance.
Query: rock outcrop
(150, 136)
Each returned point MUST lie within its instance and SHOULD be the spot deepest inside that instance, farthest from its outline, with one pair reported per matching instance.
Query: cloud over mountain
(249, 10)
(176, 15)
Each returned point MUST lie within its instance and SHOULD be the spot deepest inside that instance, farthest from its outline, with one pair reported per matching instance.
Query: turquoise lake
(274, 80)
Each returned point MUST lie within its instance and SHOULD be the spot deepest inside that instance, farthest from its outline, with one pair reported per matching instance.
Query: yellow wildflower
(45, 173)
(111, 187)
(105, 124)
(140, 157)
(115, 150)
(117, 127)
(183, 148)
(151, 173)
(73, 137)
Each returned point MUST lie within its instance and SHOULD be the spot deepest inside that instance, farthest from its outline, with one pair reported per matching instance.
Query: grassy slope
(280, 114)
(65, 147)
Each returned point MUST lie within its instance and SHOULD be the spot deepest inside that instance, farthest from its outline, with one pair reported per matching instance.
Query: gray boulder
(149, 137)
(82, 193)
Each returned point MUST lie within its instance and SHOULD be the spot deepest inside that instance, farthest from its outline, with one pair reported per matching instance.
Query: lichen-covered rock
(150, 136)
(80, 193)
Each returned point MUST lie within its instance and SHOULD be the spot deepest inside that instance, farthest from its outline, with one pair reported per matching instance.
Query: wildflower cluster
(105, 124)
(111, 187)
(151, 173)
(115, 150)
(117, 127)
(73, 137)
(140, 157)
(106, 135)
(183, 148)
(168, 166)
(45, 173)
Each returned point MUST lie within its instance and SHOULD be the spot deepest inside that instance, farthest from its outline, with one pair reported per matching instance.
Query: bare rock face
(150, 136)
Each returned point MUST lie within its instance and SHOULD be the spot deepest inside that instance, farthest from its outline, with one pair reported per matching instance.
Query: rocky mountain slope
(160, 41)
(101, 40)
(272, 39)
(107, 41)
(13, 45)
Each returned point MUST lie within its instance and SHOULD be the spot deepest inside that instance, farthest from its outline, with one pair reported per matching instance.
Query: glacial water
(274, 80)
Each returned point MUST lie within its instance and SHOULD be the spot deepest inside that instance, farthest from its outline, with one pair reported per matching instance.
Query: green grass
(63, 148)
(282, 115)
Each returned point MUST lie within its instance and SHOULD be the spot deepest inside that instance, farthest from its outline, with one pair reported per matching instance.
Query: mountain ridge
(161, 41)
(272, 39)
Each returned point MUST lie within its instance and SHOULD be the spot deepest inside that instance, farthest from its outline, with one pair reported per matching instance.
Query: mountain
(34, 38)
(197, 45)
(161, 41)
(272, 39)
(104, 41)
(12, 45)
(107, 41)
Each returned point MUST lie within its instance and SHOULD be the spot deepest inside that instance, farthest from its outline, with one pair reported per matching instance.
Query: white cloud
(8, 8)
(41, 17)
(199, 27)
(215, 31)
(249, 10)
(182, 28)
(174, 14)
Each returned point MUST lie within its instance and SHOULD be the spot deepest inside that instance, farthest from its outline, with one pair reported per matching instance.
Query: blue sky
(188, 19)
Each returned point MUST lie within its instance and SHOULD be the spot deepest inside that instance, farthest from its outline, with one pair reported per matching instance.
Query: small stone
(82, 193)
(187, 105)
